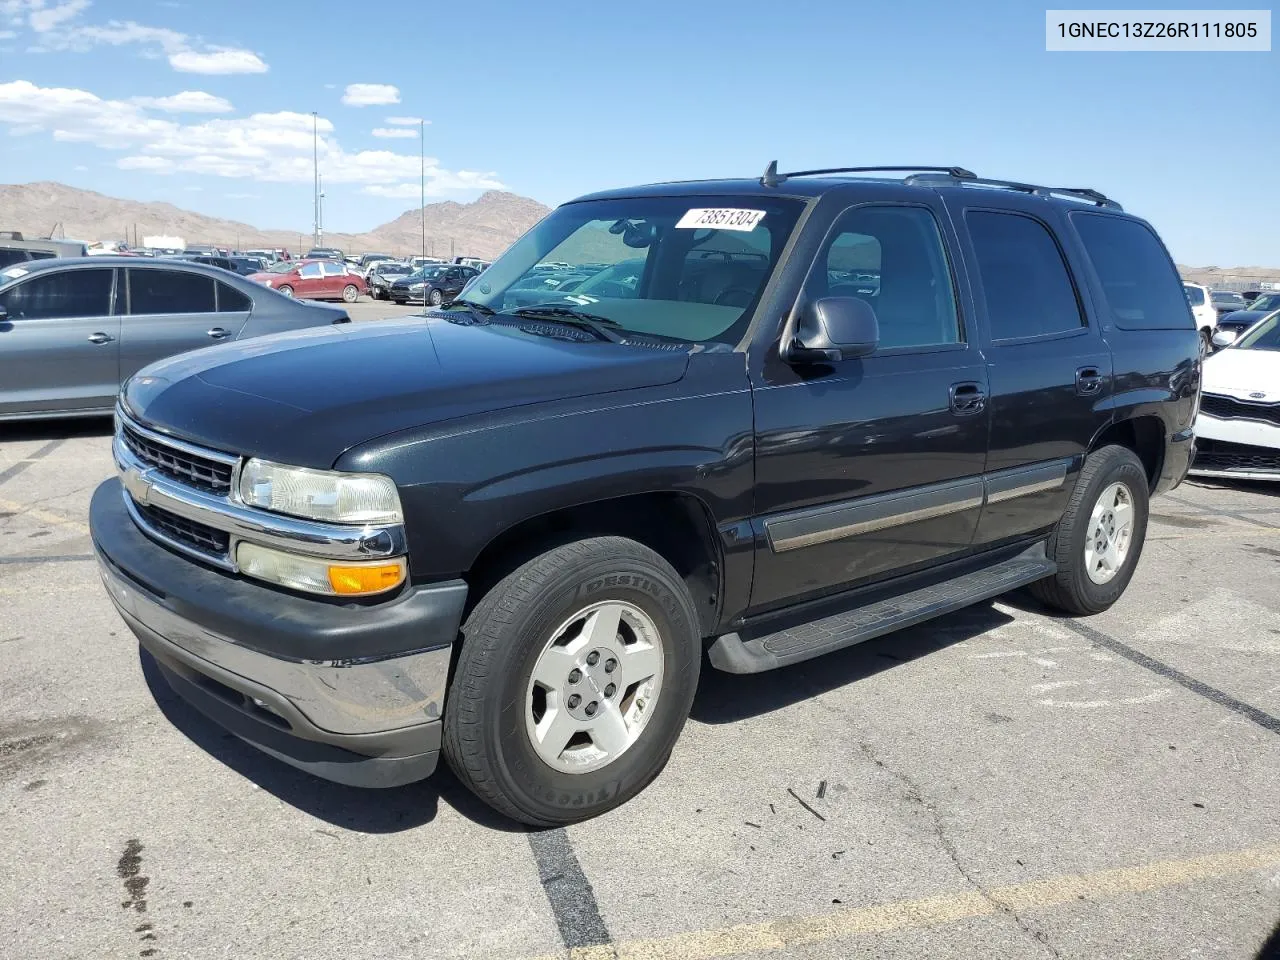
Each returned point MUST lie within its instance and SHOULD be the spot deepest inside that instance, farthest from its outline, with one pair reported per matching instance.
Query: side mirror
(831, 329)
(1225, 338)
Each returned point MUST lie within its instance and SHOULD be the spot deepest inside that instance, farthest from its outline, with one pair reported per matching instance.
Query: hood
(265, 277)
(306, 396)
(1243, 316)
(1243, 373)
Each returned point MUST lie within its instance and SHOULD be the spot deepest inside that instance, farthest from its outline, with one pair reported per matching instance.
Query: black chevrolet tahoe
(812, 409)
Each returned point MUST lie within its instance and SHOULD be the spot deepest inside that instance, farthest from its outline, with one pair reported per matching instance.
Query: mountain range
(483, 228)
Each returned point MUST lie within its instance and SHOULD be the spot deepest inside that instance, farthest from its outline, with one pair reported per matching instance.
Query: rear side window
(231, 300)
(1138, 278)
(58, 295)
(170, 291)
(1195, 296)
(1028, 290)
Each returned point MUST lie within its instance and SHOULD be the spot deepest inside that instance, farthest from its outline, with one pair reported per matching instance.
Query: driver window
(894, 259)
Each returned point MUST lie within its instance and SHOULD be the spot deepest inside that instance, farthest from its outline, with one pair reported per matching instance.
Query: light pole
(422, 181)
(319, 210)
(315, 167)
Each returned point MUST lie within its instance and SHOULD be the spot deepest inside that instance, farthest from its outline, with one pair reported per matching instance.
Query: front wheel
(286, 290)
(436, 298)
(1206, 342)
(1099, 539)
(575, 678)
(350, 293)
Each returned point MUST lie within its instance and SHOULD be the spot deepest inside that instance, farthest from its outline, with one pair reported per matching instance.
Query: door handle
(100, 338)
(967, 398)
(1088, 381)
(217, 333)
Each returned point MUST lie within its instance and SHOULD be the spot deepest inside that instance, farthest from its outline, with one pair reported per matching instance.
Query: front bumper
(291, 675)
(1237, 448)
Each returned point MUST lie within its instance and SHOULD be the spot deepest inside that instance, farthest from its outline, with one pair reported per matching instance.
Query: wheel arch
(1146, 435)
(676, 524)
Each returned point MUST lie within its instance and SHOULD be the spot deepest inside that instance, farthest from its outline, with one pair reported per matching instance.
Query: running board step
(732, 654)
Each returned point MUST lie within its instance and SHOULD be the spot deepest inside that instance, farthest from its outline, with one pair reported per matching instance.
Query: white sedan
(1238, 429)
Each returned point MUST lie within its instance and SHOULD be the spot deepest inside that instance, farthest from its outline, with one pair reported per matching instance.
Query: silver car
(71, 331)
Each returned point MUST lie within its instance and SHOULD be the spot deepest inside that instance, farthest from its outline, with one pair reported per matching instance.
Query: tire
(350, 293)
(286, 290)
(436, 298)
(1206, 342)
(491, 714)
(1073, 589)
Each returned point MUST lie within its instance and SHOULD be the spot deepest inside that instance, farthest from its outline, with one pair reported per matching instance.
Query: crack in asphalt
(915, 795)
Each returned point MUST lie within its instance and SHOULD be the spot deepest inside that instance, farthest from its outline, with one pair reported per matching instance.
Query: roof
(111, 260)
(803, 187)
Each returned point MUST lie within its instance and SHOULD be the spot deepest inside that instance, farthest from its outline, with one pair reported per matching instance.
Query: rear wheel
(575, 677)
(285, 289)
(350, 293)
(1099, 539)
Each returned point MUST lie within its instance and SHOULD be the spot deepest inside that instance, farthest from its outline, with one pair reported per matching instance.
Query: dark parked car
(383, 275)
(1226, 301)
(323, 253)
(508, 534)
(1234, 324)
(72, 330)
(222, 263)
(246, 266)
(433, 285)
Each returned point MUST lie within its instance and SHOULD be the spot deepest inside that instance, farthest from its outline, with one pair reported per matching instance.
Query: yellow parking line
(44, 515)
(789, 932)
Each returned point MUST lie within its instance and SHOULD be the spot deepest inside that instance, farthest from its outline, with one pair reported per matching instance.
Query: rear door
(870, 467)
(59, 342)
(335, 277)
(169, 311)
(310, 281)
(1049, 369)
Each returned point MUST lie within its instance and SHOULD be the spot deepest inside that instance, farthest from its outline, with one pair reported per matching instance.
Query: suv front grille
(195, 471)
(213, 543)
(1220, 455)
(1229, 408)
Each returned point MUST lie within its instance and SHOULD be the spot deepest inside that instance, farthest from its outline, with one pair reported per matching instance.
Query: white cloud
(439, 182)
(80, 168)
(150, 164)
(188, 101)
(407, 121)
(217, 60)
(395, 133)
(262, 147)
(44, 19)
(7, 34)
(370, 94)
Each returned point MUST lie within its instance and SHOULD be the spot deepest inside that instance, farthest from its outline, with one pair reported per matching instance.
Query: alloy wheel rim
(594, 687)
(1110, 533)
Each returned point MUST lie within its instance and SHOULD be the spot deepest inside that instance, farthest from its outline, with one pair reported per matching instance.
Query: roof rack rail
(772, 178)
(1078, 193)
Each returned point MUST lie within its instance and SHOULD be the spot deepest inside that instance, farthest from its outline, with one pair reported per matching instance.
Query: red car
(314, 280)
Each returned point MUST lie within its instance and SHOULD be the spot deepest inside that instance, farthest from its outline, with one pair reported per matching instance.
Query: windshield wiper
(478, 311)
(602, 327)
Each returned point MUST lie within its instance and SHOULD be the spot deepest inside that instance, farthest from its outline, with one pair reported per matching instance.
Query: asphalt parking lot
(995, 784)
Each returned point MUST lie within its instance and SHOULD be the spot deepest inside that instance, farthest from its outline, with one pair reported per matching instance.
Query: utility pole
(422, 184)
(315, 165)
(320, 211)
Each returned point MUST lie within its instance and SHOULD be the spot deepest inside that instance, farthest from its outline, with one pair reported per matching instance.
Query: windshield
(1263, 335)
(284, 266)
(390, 268)
(430, 273)
(1268, 301)
(689, 268)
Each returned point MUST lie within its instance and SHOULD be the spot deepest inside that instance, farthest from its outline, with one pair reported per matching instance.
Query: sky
(208, 105)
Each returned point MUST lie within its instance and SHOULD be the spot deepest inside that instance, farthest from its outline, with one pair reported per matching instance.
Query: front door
(1049, 368)
(870, 467)
(170, 311)
(59, 342)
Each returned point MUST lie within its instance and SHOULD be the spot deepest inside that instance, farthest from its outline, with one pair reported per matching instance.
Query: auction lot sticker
(1221, 31)
(721, 218)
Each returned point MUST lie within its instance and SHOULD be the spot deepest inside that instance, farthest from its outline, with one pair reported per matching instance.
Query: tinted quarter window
(1138, 278)
(66, 293)
(231, 300)
(1024, 278)
(169, 291)
(894, 259)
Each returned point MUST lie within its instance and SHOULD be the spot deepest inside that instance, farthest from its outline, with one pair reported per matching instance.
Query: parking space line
(569, 892)
(788, 932)
(1262, 719)
(1222, 513)
(12, 471)
(64, 558)
(44, 515)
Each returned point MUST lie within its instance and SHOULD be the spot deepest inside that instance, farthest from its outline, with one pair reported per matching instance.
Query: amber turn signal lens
(350, 581)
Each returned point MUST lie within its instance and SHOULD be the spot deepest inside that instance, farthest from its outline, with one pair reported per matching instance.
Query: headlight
(417, 286)
(320, 494)
(317, 575)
